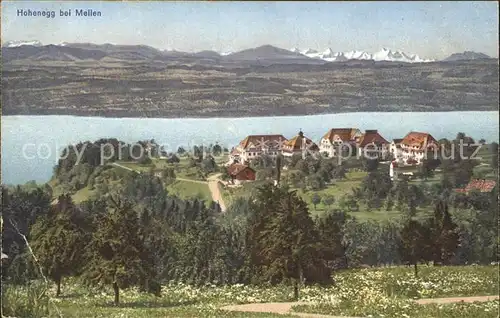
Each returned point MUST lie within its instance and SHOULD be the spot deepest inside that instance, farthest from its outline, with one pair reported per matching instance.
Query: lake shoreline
(230, 116)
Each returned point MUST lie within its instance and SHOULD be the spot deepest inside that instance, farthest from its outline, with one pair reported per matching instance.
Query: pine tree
(331, 233)
(444, 234)
(118, 255)
(414, 244)
(283, 239)
(278, 168)
(58, 240)
(315, 200)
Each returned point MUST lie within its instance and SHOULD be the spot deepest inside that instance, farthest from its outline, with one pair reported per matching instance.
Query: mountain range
(262, 55)
(383, 55)
(89, 79)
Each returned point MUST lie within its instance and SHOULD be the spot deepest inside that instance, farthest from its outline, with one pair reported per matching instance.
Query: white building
(414, 147)
(372, 145)
(341, 139)
(299, 145)
(254, 146)
(396, 151)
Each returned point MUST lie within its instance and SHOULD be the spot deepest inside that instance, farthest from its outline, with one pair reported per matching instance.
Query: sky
(430, 29)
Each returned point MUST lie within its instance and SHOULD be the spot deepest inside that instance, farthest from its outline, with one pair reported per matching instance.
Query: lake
(31, 144)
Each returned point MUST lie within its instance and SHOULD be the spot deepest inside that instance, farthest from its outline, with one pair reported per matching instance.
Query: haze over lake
(47, 135)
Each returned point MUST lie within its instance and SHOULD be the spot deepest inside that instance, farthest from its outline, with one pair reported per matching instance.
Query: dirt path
(123, 167)
(213, 186)
(212, 183)
(286, 308)
(214, 189)
(455, 300)
(276, 308)
(191, 180)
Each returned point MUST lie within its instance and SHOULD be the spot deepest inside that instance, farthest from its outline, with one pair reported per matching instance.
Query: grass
(245, 191)
(186, 190)
(379, 292)
(337, 190)
(457, 310)
(82, 195)
(389, 292)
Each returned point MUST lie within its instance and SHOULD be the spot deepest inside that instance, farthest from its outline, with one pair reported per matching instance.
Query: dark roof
(371, 136)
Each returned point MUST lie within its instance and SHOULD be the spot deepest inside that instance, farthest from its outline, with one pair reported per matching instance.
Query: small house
(240, 173)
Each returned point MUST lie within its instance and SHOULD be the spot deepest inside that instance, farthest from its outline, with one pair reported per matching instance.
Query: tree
(20, 210)
(216, 149)
(428, 166)
(169, 175)
(198, 152)
(117, 253)
(181, 151)
(315, 200)
(302, 166)
(173, 159)
(414, 245)
(316, 182)
(58, 240)
(331, 230)
(443, 234)
(328, 200)
(209, 165)
(144, 160)
(279, 164)
(370, 165)
(283, 239)
(339, 173)
(264, 174)
(494, 158)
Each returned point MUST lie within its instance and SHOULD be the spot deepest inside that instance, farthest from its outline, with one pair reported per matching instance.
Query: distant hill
(467, 55)
(266, 54)
(272, 54)
(49, 53)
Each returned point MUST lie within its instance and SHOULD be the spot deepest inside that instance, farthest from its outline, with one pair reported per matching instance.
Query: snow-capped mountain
(21, 43)
(382, 55)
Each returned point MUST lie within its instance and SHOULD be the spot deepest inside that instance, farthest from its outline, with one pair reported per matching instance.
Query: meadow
(377, 292)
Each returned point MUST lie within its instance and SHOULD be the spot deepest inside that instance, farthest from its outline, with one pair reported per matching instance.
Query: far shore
(225, 115)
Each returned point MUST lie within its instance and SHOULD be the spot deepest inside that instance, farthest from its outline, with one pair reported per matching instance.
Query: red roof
(480, 185)
(420, 139)
(345, 134)
(296, 143)
(236, 168)
(371, 136)
(261, 140)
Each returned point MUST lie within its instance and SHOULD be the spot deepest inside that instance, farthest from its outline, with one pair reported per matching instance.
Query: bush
(30, 301)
